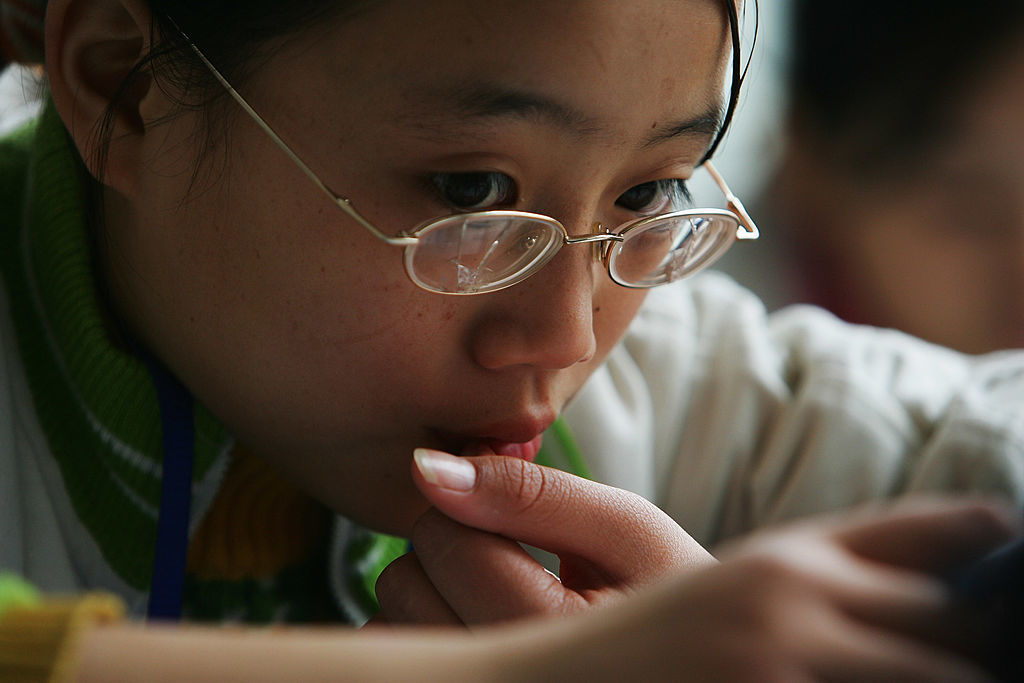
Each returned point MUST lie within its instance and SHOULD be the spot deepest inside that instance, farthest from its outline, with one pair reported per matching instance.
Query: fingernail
(444, 470)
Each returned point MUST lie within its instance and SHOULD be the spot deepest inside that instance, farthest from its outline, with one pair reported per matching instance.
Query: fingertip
(998, 518)
(445, 471)
(985, 518)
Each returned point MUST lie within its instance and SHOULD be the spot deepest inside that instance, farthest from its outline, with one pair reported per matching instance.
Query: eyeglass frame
(746, 228)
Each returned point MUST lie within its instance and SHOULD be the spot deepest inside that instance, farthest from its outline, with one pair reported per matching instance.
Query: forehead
(593, 66)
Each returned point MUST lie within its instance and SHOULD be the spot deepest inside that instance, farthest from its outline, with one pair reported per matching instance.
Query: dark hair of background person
(876, 80)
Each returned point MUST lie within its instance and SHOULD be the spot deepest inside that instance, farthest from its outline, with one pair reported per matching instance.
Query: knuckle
(991, 520)
(777, 600)
(532, 490)
(431, 524)
(770, 568)
(436, 536)
(391, 576)
(772, 576)
(538, 494)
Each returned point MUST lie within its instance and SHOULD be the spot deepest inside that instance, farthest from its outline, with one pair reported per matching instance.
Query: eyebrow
(486, 101)
(704, 125)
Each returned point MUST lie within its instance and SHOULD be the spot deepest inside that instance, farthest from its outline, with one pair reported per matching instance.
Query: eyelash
(676, 195)
(446, 184)
(504, 192)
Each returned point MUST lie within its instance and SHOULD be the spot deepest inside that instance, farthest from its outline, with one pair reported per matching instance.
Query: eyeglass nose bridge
(599, 239)
(604, 237)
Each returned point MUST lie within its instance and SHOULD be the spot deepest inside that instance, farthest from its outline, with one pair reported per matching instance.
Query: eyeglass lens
(472, 254)
(469, 254)
(670, 248)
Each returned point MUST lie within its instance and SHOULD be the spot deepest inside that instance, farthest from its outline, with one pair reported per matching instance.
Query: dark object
(995, 585)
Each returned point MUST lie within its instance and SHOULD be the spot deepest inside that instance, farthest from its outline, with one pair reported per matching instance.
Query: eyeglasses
(485, 251)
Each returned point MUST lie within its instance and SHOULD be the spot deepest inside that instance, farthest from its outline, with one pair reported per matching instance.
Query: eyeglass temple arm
(749, 228)
(343, 203)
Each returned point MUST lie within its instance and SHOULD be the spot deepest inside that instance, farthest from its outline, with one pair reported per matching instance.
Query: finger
(627, 536)
(871, 592)
(854, 653)
(407, 596)
(900, 600)
(835, 647)
(930, 534)
(912, 603)
(894, 597)
(485, 577)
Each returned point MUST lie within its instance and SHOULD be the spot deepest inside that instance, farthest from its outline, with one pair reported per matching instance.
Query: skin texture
(934, 247)
(467, 569)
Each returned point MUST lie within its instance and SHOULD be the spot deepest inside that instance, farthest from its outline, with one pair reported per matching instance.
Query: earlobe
(92, 47)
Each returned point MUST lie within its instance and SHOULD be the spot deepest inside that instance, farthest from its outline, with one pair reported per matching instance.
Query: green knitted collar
(96, 402)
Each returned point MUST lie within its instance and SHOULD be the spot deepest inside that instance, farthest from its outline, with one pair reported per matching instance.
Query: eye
(656, 196)
(475, 191)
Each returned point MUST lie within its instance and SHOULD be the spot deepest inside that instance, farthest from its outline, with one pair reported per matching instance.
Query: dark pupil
(639, 196)
(469, 189)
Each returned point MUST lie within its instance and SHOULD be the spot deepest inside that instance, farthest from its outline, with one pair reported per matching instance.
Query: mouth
(526, 450)
(519, 440)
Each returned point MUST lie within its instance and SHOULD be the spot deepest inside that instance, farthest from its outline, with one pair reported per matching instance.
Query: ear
(91, 47)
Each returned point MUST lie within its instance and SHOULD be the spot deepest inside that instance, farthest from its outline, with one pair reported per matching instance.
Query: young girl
(262, 260)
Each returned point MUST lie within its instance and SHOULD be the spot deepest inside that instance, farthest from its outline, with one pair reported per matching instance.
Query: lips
(520, 439)
(526, 450)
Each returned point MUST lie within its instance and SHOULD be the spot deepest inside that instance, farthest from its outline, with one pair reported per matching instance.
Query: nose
(546, 321)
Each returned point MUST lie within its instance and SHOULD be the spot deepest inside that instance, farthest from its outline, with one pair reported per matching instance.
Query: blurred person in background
(900, 189)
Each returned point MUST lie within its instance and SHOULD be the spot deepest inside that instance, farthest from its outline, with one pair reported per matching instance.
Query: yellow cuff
(40, 642)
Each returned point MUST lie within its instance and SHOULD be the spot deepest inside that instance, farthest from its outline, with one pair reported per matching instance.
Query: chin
(389, 510)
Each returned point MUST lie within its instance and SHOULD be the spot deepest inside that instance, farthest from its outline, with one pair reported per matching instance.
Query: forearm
(128, 652)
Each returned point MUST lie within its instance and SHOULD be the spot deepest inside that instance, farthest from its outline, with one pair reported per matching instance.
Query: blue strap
(168, 585)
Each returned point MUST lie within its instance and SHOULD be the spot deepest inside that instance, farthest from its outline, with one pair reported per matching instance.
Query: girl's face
(302, 331)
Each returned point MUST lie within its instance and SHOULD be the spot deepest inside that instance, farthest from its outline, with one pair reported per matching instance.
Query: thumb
(627, 536)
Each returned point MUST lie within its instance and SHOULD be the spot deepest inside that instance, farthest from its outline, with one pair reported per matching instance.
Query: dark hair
(738, 73)
(874, 81)
(234, 35)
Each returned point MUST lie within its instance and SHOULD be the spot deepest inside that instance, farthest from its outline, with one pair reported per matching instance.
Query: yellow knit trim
(259, 523)
(41, 642)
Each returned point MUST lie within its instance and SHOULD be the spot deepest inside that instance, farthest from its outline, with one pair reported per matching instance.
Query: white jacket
(730, 419)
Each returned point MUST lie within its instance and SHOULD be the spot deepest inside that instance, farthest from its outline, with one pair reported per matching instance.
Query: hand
(836, 600)
(468, 568)
(851, 598)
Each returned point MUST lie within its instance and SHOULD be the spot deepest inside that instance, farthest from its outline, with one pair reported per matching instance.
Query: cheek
(614, 309)
(296, 304)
